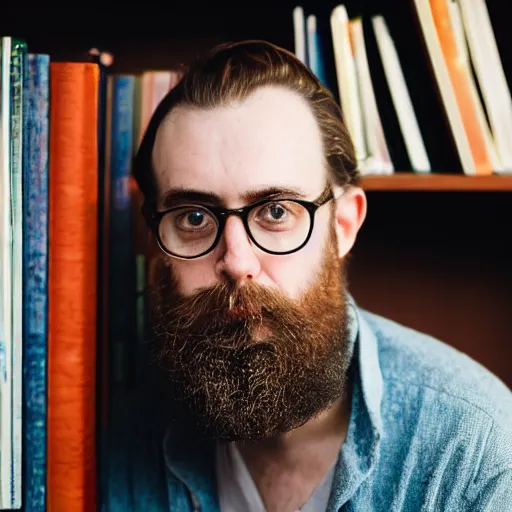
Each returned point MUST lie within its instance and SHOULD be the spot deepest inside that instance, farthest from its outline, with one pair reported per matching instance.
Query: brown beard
(247, 362)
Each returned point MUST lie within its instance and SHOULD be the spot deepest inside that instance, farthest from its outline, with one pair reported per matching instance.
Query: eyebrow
(179, 195)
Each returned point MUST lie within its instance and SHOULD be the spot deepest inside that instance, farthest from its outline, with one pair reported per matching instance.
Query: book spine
(18, 56)
(73, 272)
(121, 261)
(6, 279)
(35, 271)
(122, 299)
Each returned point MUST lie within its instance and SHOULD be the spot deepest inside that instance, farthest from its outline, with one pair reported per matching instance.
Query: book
(73, 271)
(13, 55)
(35, 272)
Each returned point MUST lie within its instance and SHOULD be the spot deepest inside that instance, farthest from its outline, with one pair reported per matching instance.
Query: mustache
(223, 317)
(224, 303)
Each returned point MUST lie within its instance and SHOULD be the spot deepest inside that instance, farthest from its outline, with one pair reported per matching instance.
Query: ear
(350, 212)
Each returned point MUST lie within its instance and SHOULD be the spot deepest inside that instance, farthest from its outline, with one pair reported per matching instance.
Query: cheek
(193, 275)
(293, 273)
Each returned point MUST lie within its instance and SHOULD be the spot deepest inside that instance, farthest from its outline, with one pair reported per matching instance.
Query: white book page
(299, 34)
(6, 278)
(378, 160)
(347, 80)
(401, 99)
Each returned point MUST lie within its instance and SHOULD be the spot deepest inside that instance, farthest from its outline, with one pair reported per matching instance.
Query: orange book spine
(461, 87)
(73, 235)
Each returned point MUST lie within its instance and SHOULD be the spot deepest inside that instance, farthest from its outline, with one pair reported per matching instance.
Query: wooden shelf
(437, 182)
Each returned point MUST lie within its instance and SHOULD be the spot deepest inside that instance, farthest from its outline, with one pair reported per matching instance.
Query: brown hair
(230, 72)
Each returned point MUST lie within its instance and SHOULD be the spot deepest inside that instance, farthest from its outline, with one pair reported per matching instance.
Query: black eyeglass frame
(221, 215)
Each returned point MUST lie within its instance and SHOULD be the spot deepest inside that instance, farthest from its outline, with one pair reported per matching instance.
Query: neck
(287, 468)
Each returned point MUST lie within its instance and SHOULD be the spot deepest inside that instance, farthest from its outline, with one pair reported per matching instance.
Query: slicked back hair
(230, 73)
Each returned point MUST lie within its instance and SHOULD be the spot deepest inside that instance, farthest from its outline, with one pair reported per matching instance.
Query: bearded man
(286, 395)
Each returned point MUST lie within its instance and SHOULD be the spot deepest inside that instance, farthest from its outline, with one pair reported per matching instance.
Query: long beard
(247, 362)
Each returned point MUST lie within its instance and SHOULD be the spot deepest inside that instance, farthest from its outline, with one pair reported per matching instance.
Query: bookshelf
(437, 182)
(434, 251)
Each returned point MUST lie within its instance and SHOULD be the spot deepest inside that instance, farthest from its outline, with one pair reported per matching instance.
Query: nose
(239, 260)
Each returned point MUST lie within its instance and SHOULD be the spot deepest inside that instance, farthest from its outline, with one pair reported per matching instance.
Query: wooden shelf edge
(437, 182)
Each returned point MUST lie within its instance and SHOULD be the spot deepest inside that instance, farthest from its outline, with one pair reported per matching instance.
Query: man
(285, 395)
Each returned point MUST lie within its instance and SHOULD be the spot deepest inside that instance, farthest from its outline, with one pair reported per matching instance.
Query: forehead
(270, 138)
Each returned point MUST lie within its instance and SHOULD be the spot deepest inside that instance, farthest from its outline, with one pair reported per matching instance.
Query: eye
(275, 212)
(278, 215)
(194, 220)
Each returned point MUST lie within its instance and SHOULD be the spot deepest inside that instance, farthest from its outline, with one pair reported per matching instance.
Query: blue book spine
(316, 58)
(35, 285)
(117, 489)
(121, 271)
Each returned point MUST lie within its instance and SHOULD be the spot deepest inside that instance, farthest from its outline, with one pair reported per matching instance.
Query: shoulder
(444, 405)
(414, 359)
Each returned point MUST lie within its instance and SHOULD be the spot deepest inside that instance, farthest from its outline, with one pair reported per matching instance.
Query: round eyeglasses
(276, 226)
